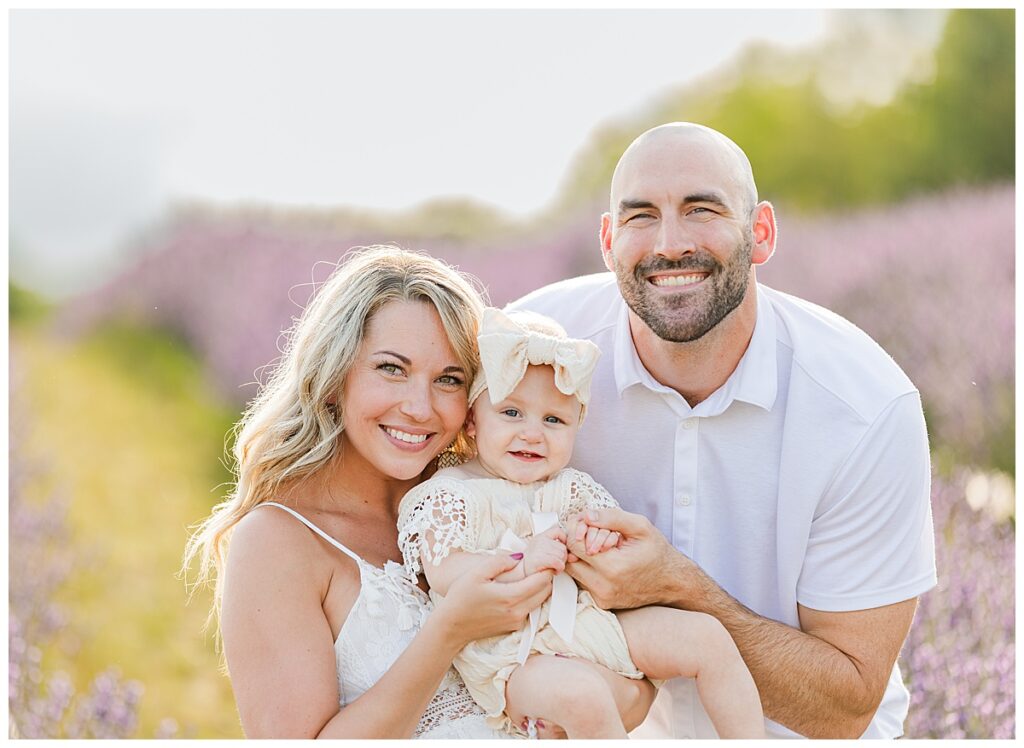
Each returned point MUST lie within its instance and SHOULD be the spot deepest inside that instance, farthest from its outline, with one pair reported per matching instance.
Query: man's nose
(674, 239)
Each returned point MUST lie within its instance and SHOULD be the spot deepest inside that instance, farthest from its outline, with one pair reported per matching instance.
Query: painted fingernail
(516, 556)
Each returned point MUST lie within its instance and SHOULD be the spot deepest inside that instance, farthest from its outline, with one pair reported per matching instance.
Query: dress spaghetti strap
(317, 530)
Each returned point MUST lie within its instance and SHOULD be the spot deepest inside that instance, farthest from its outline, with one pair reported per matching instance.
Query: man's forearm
(805, 683)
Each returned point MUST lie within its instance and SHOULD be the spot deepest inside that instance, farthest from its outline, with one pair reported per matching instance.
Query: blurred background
(179, 181)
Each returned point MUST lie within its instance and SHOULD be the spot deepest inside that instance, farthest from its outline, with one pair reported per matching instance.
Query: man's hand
(823, 680)
(596, 539)
(641, 569)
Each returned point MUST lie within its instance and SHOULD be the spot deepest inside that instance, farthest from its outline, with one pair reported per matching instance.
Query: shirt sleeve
(871, 542)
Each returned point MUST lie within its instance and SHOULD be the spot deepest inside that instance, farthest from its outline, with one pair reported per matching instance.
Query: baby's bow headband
(507, 348)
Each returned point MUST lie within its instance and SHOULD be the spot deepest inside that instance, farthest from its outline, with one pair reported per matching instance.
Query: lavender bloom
(42, 703)
(959, 658)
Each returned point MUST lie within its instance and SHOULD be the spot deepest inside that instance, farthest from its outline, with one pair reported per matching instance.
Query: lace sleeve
(584, 493)
(434, 519)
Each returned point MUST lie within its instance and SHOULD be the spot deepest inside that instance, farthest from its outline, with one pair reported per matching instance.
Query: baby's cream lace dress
(446, 514)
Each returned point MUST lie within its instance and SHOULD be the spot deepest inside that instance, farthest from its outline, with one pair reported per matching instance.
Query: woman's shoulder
(268, 540)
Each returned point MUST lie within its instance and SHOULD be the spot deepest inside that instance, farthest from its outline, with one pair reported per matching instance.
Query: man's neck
(698, 368)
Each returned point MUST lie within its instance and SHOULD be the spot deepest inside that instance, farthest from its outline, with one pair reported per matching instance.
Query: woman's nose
(417, 403)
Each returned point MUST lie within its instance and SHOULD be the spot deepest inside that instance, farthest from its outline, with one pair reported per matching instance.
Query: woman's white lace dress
(448, 513)
(386, 615)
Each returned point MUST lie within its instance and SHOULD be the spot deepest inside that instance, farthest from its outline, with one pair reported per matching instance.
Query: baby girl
(574, 670)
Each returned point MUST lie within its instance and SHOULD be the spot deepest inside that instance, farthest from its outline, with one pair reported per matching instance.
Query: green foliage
(811, 154)
(128, 423)
(24, 306)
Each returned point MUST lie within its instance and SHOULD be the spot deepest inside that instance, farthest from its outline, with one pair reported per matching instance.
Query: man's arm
(825, 679)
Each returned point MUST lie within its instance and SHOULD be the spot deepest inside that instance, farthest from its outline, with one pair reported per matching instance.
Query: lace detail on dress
(571, 491)
(451, 702)
(433, 520)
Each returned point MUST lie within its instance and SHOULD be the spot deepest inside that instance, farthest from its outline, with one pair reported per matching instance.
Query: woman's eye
(450, 381)
(389, 368)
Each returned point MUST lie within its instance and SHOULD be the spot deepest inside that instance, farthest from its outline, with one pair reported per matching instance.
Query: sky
(115, 116)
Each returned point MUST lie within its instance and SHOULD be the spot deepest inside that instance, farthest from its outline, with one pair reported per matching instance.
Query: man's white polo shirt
(804, 479)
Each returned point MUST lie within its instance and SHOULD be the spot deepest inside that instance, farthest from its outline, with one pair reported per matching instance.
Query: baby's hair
(539, 323)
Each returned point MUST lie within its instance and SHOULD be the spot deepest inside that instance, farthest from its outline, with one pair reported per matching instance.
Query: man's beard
(685, 317)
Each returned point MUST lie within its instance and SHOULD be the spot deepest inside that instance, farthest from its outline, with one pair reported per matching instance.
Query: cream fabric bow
(507, 348)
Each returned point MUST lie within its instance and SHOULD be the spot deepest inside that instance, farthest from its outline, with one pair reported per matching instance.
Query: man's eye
(639, 217)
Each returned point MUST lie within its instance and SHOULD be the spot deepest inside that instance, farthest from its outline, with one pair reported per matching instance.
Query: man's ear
(606, 241)
(764, 233)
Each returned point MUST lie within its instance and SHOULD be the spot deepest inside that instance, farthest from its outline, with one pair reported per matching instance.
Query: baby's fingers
(595, 539)
(611, 541)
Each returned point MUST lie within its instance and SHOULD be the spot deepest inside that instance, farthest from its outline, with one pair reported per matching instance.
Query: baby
(574, 670)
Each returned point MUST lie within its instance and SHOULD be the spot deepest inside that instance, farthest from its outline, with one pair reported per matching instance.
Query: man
(777, 456)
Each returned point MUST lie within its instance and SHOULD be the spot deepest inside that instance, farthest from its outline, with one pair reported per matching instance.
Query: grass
(126, 425)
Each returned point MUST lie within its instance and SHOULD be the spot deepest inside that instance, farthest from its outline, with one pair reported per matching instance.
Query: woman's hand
(477, 606)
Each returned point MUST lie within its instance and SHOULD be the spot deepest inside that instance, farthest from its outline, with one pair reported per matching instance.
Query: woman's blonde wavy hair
(291, 429)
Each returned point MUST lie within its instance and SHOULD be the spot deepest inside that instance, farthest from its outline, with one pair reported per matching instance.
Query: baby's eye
(510, 412)
(553, 419)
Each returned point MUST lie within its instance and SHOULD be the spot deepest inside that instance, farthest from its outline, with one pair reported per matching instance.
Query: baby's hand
(596, 539)
(545, 551)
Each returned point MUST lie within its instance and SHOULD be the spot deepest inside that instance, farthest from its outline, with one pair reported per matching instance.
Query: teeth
(411, 438)
(676, 280)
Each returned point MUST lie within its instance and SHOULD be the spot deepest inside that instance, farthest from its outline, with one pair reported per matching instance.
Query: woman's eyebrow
(408, 361)
(404, 359)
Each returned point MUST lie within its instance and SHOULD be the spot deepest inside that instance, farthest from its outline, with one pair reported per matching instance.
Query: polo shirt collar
(754, 381)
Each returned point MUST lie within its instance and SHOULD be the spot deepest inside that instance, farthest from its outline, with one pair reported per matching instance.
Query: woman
(324, 634)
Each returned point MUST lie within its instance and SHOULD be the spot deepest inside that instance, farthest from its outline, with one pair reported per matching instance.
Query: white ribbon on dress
(507, 348)
(562, 612)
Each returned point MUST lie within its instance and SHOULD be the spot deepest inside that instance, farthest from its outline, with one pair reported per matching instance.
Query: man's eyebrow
(625, 205)
(712, 198)
(706, 197)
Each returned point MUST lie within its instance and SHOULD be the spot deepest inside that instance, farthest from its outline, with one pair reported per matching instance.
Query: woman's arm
(280, 650)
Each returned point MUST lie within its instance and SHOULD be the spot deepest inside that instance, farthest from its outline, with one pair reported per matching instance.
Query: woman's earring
(448, 457)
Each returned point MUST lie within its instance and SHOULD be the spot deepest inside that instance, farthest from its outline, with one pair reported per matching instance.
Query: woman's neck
(350, 487)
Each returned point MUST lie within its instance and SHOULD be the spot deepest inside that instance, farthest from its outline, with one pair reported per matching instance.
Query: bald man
(773, 459)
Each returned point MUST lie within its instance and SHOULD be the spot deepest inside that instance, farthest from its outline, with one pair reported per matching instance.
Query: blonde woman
(324, 633)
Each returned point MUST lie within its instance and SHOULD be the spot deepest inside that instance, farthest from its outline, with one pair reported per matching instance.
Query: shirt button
(684, 500)
(688, 424)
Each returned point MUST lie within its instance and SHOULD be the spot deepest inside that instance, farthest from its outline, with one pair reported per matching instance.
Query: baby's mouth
(527, 456)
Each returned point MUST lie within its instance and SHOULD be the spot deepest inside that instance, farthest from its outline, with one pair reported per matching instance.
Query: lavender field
(931, 279)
